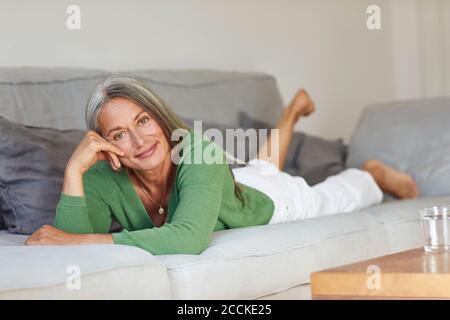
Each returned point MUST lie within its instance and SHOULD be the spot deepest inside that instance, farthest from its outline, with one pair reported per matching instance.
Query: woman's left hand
(49, 235)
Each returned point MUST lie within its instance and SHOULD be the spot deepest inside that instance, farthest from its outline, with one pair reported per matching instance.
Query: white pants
(294, 199)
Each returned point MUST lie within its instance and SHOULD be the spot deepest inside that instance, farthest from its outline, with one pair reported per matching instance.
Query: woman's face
(134, 131)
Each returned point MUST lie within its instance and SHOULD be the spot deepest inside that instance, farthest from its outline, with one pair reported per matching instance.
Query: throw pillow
(2, 223)
(32, 164)
(320, 158)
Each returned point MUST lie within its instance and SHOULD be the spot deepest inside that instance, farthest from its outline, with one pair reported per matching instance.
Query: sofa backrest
(412, 136)
(56, 97)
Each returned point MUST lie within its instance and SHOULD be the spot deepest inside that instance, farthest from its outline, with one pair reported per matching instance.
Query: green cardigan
(202, 200)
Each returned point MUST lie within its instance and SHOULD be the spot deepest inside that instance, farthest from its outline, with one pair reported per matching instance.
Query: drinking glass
(436, 228)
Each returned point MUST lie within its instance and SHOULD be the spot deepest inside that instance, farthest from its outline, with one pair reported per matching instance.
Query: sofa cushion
(412, 136)
(43, 272)
(261, 260)
(32, 164)
(311, 157)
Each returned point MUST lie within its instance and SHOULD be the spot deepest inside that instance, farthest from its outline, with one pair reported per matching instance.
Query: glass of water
(436, 228)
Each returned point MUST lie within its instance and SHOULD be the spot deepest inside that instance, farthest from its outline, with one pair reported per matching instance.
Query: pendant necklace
(161, 209)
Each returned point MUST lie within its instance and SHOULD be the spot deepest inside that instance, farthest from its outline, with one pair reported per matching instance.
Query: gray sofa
(263, 262)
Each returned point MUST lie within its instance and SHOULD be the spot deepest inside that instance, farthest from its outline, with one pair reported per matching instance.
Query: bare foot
(301, 105)
(391, 180)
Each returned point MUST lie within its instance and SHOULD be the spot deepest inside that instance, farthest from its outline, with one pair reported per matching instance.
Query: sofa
(260, 262)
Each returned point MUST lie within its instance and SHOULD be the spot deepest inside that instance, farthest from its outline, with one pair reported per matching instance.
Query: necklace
(161, 209)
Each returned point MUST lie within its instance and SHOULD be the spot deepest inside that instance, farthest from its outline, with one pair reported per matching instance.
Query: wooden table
(410, 274)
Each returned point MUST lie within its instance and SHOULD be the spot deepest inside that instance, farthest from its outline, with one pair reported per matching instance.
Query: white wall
(421, 47)
(321, 45)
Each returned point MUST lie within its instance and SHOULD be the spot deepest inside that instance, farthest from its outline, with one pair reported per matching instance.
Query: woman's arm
(72, 214)
(83, 214)
(74, 225)
(73, 182)
(78, 217)
(49, 235)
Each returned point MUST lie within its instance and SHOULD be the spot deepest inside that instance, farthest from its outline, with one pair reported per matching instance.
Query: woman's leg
(301, 105)
(387, 178)
(350, 190)
(356, 189)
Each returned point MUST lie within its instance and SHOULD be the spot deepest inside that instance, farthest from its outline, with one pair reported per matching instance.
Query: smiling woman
(124, 168)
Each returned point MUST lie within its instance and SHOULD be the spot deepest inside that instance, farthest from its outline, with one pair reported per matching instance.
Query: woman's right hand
(91, 149)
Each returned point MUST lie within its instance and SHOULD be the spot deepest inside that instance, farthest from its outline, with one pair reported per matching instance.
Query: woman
(169, 207)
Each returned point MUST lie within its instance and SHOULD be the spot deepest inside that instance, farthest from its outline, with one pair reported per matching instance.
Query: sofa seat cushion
(106, 271)
(253, 262)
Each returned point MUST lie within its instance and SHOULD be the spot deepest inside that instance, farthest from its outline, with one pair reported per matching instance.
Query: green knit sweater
(202, 200)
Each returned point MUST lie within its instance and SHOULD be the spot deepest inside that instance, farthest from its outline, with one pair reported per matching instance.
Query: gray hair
(134, 89)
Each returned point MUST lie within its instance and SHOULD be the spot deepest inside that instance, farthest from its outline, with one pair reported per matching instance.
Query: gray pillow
(32, 164)
(319, 158)
(2, 223)
(412, 136)
(310, 157)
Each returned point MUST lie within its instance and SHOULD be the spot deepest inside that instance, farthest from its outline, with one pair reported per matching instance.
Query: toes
(411, 191)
